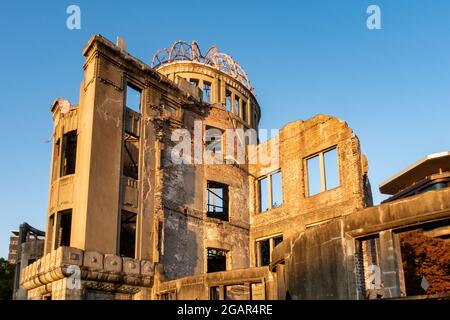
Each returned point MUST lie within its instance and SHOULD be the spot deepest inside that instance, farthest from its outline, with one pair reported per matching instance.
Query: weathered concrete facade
(134, 216)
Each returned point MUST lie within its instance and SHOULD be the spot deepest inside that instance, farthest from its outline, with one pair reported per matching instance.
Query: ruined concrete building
(132, 215)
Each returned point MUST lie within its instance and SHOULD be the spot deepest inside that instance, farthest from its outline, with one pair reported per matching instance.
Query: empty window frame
(127, 242)
(216, 260)
(63, 228)
(322, 171)
(236, 105)
(228, 100)
(214, 293)
(207, 91)
(423, 259)
(243, 112)
(217, 200)
(194, 82)
(270, 192)
(213, 139)
(264, 248)
(131, 156)
(133, 98)
(368, 266)
(69, 153)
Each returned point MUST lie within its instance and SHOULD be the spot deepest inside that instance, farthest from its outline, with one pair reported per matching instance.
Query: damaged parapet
(92, 270)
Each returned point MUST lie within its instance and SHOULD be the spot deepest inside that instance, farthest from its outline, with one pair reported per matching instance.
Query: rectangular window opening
(244, 111)
(69, 153)
(214, 293)
(133, 98)
(127, 234)
(314, 180)
(131, 156)
(206, 92)
(264, 249)
(331, 169)
(368, 268)
(270, 192)
(277, 196)
(263, 195)
(64, 225)
(423, 256)
(228, 100)
(217, 260)
(322, 171)
(217, 200)
(236, 105)
(264, 252)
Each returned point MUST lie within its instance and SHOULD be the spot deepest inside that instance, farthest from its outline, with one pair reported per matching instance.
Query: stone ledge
(94, 266)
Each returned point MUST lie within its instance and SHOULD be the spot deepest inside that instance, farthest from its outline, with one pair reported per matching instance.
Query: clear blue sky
(303, 57)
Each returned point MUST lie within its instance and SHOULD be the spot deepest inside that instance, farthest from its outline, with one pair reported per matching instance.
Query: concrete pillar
(390, 274)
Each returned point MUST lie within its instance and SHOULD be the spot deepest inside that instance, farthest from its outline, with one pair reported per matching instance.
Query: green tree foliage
(6, 279)
(428, 257)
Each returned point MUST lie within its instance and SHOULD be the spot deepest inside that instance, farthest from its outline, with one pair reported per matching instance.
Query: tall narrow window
(264, 249)
(270, 192)
(322, 171)
(206, 92)
(217, 200)
(214, 293)
(133, 98)
(217, 260)
(236, 104)
(244, 111)
(131, 156)
(69, 152)
(313, 167)
(127, 234)
(63, 229)
(264, 252)
(277, 196)
(228, 101)
(368, 272)
(331, 169)
(263, 195)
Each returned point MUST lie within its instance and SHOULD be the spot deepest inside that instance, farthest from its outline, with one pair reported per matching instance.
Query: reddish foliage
(428, 257)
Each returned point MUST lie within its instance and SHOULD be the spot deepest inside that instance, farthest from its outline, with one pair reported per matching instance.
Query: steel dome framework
(183, 51)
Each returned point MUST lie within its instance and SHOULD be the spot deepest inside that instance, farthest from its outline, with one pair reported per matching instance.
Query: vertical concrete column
(390, 274)
(99, 162)
(223, 90)
(281, 282)
(215, 96)
(258, 250)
